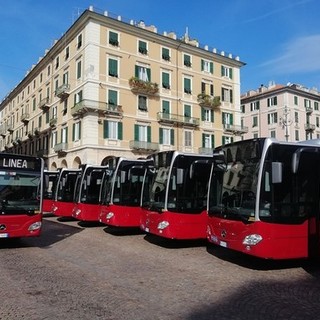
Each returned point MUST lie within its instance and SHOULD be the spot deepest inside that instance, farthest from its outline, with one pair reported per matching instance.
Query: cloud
(300, 55)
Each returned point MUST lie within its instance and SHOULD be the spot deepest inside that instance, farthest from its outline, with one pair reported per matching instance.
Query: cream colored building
(110, 87)
(286, 112)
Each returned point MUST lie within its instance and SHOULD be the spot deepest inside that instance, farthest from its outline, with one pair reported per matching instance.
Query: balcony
(145, 87)
(62, 92)
(236, 130)
(61, 147)
(85, 106)
(33, 133)
(10, 127)
(208, 151)
(25, 117)
(309, 127)
(144, 146)
(208, 101)
(53, 122)
(309, 110)
(44, 104)
(177, 119)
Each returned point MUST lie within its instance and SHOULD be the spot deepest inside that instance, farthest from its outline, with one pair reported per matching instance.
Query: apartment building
(286, 112)
(114, 87)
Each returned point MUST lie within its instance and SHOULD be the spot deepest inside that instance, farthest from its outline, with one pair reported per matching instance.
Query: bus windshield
(19, 192)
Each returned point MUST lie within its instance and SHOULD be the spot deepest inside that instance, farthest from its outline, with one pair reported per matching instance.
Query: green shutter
(112, 97)
(222, 71)
(231, 118)
(231, 96)
(136, 132)
(149, 74)
(120, 131)
(73, 131)
(187, 110)
(165, 106)
(211, 67)
(105, 129)
(202, 114)
(172, 137)
(113, 67)
(212, 141)
(136, 71)
(160, 135)
(202, 64)
(203, 140)
(211, 116)
(149, 134)
(230, 73)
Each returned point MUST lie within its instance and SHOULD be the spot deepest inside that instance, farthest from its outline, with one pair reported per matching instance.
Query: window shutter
(172, 137)
(211, 67)
(105, 129)
(148, 134)
(202, 64)
(212, 141)
(149, 74)
(136, 132)
(120, 131)
(160, 135)
(211, 116)
(73, 131)
(230, 73)
(203, 140)
(136, 71)
(202, 114)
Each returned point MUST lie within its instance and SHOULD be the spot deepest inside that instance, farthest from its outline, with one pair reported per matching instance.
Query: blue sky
(279, 40)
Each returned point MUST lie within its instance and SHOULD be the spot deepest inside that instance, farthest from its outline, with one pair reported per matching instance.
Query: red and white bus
(64, 193)
(176, 207)
(50, 183)
(21, 187)
(264, 198)
(87, 193)
(121, 194)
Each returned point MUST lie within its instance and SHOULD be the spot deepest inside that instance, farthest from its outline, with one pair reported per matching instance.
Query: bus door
(306, 165)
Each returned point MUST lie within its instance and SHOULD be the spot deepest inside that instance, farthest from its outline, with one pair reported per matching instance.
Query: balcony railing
(175, 118)
(44, 103)
(61, 147)
(144, 145)
(145, 87)
(25, 118)
(53, 122)
(237, 130)
(85, 106)
(309, 127)
(309, 110)
(62, 91)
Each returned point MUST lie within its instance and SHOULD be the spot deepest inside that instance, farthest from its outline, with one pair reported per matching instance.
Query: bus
(176, 207)
(87, 193)
(21, 187)
(264, 198)
(64, 193)
(50, 182)
(121, 194)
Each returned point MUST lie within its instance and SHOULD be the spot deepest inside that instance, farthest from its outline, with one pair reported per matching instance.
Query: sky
(278, 40)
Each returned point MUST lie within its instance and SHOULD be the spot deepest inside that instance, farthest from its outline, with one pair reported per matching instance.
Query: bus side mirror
(276, 172)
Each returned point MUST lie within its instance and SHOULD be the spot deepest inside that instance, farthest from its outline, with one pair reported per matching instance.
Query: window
(65, 78)
(317, 122)
(272, 118)
(272, 101)
(64, 135)
(143, 73)
(57, 63)
(113, 38)
(307, 103)
(227, 118)
(254, 106)
(187, 60)
(165, 54)
(206, 66)
(188, 138)
(78, 97)
(65, 107)
(112, 130)
(254, 121)
(187, 85)
(207, 140)
(113, 67)
(187, 110)
(227, 95)
(53, 138)
(207, 88)
(316, 106)
(166, 80)
(67, 53)
(79, 41)
(296, 135)
(226, 140)
(295, 99)
(226, 72)
(243, 108)
(142, 103)
(166, 136)
(142, 47)
(296, 117)
(207, 115)
(113, 97)
(272, 134)
(76, 131)
(79, 71)
(166, 106)
(142, 133)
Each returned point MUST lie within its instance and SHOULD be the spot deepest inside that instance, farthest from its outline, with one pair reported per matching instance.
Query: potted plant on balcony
(139, 85)
(207, 100)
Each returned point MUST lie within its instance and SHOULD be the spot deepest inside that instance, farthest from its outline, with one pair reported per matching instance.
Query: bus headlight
(109, 215)
(252, 239)
(162, 225)
(35, 226)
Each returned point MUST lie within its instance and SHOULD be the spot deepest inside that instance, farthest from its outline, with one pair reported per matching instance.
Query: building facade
(110, 87)
(286, 112)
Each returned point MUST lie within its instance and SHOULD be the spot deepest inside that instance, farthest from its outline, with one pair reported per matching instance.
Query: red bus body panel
(86, 212)
(47, 205)
(17, 226)
(290, 241)
(123, 216)
(62, 208)
(182, 226)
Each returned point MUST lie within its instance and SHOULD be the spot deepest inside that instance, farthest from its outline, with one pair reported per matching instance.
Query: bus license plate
(223, 244)
(4, 235)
